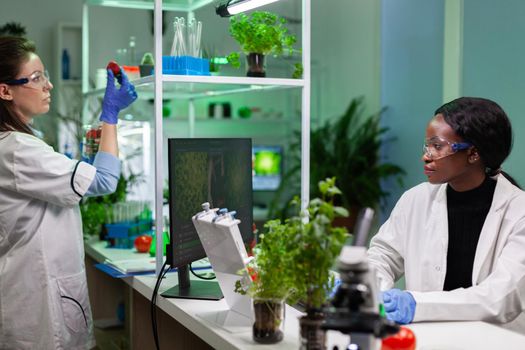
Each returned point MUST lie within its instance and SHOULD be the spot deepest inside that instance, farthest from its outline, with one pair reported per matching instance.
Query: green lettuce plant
(261, 32)
(293, 258)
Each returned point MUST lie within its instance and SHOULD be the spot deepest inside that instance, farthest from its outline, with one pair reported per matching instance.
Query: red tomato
(142, 243)
(91, 134)
(114, 67)
(402, 340)
(253, 273)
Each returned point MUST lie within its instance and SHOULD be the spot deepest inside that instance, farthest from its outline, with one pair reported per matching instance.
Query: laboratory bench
(198, 324)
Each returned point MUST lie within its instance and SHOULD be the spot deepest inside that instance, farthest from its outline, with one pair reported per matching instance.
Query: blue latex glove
(116, 99)
(400, 306)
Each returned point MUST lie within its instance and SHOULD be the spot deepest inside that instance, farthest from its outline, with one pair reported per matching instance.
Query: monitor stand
(202, 290)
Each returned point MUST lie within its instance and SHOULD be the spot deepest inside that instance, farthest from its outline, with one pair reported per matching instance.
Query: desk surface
(215, 324)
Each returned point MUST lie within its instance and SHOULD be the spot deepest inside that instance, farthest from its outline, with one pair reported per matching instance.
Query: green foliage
(318, 245)
(298, 71)
(349, 149)
(13, 29)
(234, 59)
(272, 269)
(293, 259)
(95, 210)
(147, 59)
(263, 33)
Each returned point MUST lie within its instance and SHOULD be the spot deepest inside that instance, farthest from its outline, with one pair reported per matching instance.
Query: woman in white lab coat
(43, 294)
(458, 239)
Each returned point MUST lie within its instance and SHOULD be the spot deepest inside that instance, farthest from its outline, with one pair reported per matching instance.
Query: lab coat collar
(503, 194)
(438, 224)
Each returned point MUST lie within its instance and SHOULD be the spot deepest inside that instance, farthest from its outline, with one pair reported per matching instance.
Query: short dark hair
(484, 124)
(14, 51)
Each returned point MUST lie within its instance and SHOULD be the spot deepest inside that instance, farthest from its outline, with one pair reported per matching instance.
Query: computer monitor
(214, 170)
(267, 167)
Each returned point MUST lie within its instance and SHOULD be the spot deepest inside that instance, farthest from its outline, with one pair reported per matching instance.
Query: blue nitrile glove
(337, 283)
(116, 99)
(400, 306)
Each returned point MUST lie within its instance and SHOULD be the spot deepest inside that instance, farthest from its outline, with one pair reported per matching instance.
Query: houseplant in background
(349, 149)
(259, 34)
(146, 65)
(95, 210)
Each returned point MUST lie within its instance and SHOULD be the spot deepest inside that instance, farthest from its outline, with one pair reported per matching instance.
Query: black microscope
(355, 307)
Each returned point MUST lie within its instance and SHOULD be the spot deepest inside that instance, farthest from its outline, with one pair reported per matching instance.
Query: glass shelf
(196, 87)
(170, 5)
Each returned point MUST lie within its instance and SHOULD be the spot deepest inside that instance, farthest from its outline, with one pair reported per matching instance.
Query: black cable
(79, 305)
(204, 276)
(162, 274)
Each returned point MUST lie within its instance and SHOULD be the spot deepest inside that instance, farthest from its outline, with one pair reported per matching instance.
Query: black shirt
(466, 214)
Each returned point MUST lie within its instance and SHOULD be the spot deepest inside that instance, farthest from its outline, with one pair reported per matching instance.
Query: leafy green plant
(261, 32)
(147, 58)
(293, 259)
(271, 271)
(318, 244)
(94, 210)
(14, 29)
(348, 149)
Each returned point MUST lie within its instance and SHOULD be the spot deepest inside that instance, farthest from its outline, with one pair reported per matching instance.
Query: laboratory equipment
(355, 307)
(220, 236)
(213, 170)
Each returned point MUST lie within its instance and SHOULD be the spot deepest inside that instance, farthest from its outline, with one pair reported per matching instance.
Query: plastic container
(90, 142)
(133, 72)
(122, 235)
(185, 65)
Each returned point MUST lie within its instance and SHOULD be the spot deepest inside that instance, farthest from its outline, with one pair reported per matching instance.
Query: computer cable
(165, 268)
(204, 276)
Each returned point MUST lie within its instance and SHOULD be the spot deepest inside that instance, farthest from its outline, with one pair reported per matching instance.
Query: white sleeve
(40, 172)
(386, 248)
(499, 298)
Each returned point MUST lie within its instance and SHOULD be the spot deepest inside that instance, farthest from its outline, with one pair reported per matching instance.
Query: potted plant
(271, 281)
(259, 34)
(292, 262)
(146, 65)
(318, 244)
(347, 148)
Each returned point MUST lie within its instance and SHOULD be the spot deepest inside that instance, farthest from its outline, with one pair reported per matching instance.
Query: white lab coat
(43, 293)
(414, 241)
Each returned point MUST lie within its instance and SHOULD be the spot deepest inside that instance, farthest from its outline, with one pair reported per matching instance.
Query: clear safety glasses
(437, 148)
(36, 80)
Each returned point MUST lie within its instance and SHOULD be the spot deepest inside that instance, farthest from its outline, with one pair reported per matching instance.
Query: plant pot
(312, 335)
(146, 69)
(269, 320)
(255, 65)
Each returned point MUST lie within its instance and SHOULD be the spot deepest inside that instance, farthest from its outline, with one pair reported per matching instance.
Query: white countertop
(224, 330)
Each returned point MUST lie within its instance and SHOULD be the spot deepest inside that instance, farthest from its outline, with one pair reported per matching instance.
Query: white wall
(40, 19)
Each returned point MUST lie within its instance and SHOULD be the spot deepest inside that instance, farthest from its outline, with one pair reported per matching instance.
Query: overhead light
(233, 7)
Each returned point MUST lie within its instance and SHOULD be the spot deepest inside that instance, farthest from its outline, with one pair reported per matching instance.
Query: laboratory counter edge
(199, 324)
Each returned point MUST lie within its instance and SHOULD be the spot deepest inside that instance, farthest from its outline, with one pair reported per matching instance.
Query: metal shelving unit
(161, 86)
